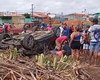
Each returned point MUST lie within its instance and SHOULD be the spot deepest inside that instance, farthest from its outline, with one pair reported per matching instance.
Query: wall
(18, 21)
(1, 21)
(28, 20)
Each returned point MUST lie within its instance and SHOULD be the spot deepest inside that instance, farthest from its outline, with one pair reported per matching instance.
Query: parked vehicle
(10, 29)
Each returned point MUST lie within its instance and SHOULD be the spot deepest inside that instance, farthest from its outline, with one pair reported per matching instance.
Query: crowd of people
(78, 42)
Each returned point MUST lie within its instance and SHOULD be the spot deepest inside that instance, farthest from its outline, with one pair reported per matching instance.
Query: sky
(51, 6)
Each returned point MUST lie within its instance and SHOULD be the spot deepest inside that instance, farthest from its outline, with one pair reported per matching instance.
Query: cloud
(54, 6)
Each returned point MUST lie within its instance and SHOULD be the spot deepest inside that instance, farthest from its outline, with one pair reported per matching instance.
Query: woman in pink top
(49, 28)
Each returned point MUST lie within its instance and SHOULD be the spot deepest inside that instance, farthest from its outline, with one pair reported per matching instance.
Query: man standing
(94, 33)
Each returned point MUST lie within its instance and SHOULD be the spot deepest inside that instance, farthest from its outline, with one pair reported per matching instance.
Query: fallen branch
(34, 78)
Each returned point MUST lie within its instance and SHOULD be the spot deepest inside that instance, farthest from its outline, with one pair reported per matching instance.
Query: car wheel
(28, 42)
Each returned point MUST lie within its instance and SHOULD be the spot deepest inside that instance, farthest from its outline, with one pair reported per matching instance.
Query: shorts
(75, 45)
(86, 46)
(94, 47)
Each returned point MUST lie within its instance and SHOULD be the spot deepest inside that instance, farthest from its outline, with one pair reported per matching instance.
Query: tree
(26, 15)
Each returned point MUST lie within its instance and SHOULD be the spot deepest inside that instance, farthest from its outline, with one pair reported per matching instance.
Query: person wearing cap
(94, 33)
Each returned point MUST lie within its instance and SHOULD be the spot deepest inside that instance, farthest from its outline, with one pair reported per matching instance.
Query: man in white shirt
(60, 30)
(94, 33)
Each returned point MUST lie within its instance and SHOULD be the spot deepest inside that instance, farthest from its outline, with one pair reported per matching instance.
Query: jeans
(94, 47)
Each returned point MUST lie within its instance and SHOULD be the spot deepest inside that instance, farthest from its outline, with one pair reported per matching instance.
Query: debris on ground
(37, 68)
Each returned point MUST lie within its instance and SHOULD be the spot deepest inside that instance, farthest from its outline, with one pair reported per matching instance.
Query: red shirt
(61, 39)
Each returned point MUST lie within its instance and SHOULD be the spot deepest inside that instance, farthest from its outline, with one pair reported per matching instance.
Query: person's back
(75, 36)
(75, 43)
(95, 33)
(66, 32)
(67, 50)
(59, 42)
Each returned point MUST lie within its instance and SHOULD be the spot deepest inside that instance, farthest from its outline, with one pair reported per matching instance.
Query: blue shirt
(66, 32)
(77, 38)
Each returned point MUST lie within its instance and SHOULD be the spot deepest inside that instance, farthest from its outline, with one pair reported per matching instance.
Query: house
(4, 17)
(77, 22)
(60, 17)
(40, 16)
(12, 17)
(95, 15)
(76, 16)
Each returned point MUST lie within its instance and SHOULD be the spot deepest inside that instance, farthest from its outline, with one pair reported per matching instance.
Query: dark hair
(78, 28)
(95, 20)
(64, 23)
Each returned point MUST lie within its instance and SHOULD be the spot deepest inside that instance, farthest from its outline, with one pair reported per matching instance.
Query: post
(32, 11)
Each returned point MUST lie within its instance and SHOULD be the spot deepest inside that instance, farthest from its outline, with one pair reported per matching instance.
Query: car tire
(28, 42)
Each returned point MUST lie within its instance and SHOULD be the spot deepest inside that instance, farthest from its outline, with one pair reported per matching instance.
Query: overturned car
(30, 43)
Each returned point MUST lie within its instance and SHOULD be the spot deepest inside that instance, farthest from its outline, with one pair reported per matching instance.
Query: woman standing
(75, 43)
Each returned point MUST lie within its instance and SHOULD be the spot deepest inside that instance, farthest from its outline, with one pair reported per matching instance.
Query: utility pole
(32, 11)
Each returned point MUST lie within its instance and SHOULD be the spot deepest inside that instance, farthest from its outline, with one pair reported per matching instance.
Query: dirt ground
(94, 72)
(91, 70)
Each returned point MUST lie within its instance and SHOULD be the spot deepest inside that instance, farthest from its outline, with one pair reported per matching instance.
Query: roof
(77, 22)
(9, 14)
(77, 14)
(40, 14)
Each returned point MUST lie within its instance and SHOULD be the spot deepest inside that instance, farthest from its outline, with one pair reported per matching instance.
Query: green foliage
(13, 53)
(54, 62)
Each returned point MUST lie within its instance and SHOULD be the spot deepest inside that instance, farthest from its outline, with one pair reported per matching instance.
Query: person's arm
(71, 38)
(58, 45)
(89, 31)
(82, 40)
